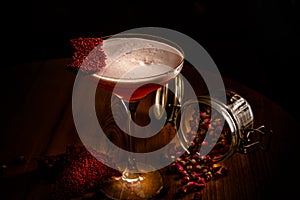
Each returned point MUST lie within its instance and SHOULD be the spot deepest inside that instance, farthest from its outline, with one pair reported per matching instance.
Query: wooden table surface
(37, 120)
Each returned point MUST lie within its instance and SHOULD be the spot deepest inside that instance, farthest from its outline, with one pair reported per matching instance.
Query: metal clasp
(254, 139)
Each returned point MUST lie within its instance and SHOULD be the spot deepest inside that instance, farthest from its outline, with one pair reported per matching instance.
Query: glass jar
(210, 127)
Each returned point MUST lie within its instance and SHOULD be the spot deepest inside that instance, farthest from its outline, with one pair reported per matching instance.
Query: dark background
(251, 41)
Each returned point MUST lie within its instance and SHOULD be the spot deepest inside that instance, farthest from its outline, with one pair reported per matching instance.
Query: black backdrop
(252, 41)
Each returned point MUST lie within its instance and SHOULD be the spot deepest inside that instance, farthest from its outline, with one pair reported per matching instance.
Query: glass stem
(130, 173)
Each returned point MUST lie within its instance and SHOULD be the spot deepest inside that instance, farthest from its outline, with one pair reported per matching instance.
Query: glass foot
(148, 186)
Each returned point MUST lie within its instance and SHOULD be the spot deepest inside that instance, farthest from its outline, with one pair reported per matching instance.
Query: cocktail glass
(137, 65)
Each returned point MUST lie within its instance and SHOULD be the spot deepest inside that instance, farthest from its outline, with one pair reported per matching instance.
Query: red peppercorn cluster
(83, 172)
(196, 170)
(84, 47)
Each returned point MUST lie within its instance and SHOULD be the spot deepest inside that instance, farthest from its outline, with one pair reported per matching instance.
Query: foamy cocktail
(136, 67)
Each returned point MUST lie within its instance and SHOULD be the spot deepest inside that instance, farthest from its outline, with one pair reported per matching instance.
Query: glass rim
(166, 42)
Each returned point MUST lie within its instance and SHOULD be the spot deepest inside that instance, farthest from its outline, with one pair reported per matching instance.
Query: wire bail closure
(254, 139)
